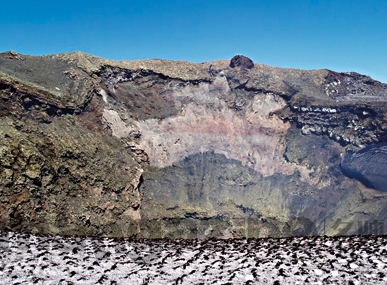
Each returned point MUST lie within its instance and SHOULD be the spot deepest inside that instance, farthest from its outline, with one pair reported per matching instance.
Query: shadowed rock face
(174, 149)
(368, 165)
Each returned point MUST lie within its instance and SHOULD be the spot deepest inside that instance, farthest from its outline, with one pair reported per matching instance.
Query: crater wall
(165, 149)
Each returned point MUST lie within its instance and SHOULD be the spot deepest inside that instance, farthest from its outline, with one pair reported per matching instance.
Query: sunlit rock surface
(159, 148)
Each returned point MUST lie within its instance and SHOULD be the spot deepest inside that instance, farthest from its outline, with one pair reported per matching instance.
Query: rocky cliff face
(159, 148)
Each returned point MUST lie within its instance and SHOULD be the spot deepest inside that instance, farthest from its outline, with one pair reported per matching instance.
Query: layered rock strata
(159, 148)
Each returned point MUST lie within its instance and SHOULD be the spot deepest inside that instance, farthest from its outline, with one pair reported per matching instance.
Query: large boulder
(241, 61)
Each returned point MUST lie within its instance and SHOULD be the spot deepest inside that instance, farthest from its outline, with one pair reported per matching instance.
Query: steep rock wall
(174, 149)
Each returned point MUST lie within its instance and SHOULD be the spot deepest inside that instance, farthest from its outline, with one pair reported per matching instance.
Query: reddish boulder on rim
(242, 61)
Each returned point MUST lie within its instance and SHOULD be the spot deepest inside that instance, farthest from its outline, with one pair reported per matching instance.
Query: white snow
(318, 272)
(35, 259)
(353, 265)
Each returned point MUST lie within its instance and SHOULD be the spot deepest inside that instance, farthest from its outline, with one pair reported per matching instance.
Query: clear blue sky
(341, 35)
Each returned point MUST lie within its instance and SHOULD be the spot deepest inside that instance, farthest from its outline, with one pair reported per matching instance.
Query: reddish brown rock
(241, 61)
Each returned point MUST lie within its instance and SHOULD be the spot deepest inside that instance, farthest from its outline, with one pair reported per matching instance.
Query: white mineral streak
(104, 95)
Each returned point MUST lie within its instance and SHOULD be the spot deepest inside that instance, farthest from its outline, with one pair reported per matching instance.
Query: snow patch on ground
(34, 259)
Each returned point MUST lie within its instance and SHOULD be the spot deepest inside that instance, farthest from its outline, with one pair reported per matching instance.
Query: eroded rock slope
(160, 148)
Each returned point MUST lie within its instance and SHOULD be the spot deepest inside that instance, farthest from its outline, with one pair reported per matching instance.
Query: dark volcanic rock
(159, 148)
(368, 165)
(241, 61)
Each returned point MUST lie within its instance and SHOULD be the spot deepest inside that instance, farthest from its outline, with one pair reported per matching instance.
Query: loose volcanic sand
(34, 259)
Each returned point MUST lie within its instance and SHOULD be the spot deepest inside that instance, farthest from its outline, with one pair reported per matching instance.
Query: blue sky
(310, 34)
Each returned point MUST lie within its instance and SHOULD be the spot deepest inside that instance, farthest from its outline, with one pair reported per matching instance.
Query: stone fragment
(241, 61)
